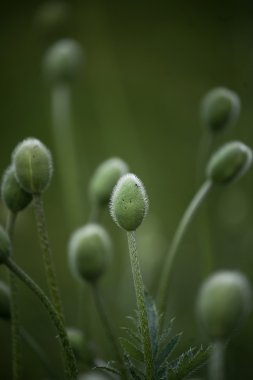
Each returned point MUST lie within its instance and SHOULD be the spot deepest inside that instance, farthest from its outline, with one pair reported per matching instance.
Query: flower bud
(105, 178)
(89, 252)
(229, 163)
(129, 202)
(5, 245)
(5, 308)
(14, 197)
(220, 109)
(63, 61)
(33, 165)
(224, 302)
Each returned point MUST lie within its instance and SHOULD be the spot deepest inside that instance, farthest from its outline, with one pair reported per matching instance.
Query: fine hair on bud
(63, 60)
(105, 178)
(220, 109)
(15, 198)
(33, 165)
(224, 302)
(129, 202)
(229, 163)
(5, 245)
(90, 252)
(5, 309)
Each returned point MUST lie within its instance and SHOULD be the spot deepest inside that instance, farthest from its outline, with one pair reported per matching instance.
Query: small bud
(63, 61)
(129, 202)
(220, 109)
(14, 197)
(223, 304)
(5, 245)
(33, 165)
(229, 163)
(5, 309)
(105, 178)
(89, 252)
(78, 344)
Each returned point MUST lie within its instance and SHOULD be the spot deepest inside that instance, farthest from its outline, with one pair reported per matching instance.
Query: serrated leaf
(166, 351)
(136, 338)
(133, 351)
(134, 373)
(108, 369)
(166, 333)
(153, 321)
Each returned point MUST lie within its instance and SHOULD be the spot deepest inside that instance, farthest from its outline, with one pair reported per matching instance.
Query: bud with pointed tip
(105, 178)
(14, 197)
(90, 252)
(33, 165)
(5, 245)
(5, 308)
(63, 61)
(223, 303)
(229, 163)
(220, 109)
(129, 202)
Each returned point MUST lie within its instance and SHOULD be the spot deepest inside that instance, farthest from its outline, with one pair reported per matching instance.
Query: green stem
(107, 326)
(15, 324)
(69, 358)
(38, 350)
(47, 254)
(66, 153)
(216, 362)
(182, 227)
(141, 305)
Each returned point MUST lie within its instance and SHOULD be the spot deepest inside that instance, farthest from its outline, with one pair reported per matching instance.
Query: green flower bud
(229, 163)
(33, 165)
(90, 252)
(129, 202)
(5, 245)
(105, 178)
(78, 344)
(224, 302)
(14, 197)
(5, 308)
(63, 61)
(220, 109)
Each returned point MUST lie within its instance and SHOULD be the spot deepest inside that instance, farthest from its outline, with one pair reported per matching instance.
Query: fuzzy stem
(47, 254)
(15, 324)
(182, 227)
(69, 358)
(66, 153)
(107, 325)
(141, 305)
(216, 362)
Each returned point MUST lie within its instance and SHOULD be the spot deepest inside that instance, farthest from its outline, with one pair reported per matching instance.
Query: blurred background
(146, 67)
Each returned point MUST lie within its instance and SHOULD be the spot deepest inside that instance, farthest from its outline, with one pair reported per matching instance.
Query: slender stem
(66, 153)
(69, 358)
(38, 350)
(182, 227)
(216, 363)
(107, 325)
(15, 323)
(204, 149)
(47, 253)
(141, 305)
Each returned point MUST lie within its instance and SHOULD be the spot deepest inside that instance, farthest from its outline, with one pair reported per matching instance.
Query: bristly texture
(90, 252)
(33, 165)
(129, 202)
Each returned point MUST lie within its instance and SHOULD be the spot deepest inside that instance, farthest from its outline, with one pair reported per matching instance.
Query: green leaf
(134, 372)
(133, 351)
(153, 321)
(135, 337)
(108, 369)
(164, 354)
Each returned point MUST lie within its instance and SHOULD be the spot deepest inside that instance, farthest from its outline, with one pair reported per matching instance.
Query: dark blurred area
(147, 66)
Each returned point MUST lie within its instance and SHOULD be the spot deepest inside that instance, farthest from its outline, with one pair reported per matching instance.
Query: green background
(147, 66)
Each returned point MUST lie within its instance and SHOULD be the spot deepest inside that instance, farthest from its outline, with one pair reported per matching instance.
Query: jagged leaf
(164, 336)
(133, 372)
(153, 321)
(132, 350)
(108, 369)
(166, 351)
(135, 337)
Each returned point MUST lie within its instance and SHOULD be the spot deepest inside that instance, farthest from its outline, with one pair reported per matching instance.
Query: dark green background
(147, 66)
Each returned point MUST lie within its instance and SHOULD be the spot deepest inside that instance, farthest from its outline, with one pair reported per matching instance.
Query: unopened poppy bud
(220, 109)
(5, 245)
(5, 309)
(105, 178)
(15, 198)
(223, 303)
(63, 61)
(129, 202)
(33, 165)
(90, 252)
(229, 163)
